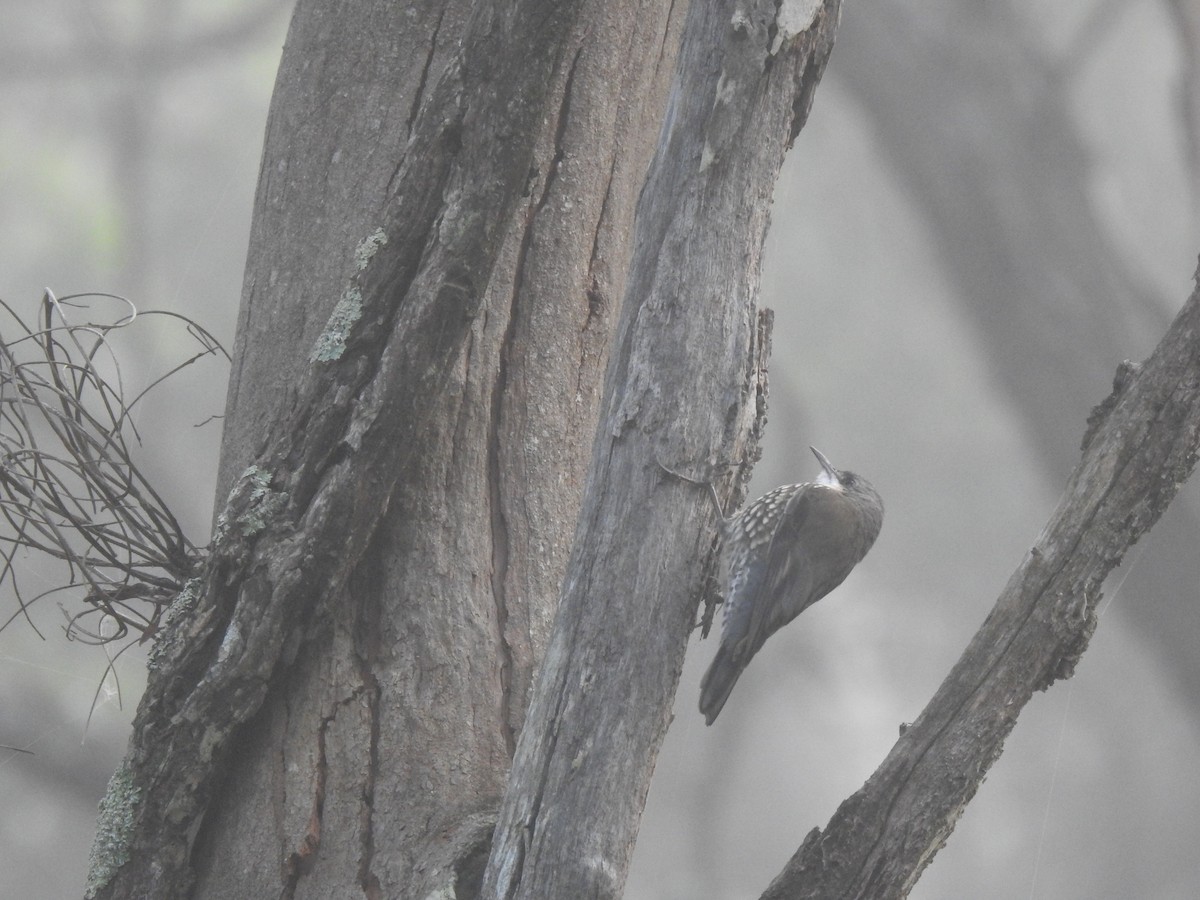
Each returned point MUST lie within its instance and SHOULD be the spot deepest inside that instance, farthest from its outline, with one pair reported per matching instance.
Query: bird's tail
(718, 681)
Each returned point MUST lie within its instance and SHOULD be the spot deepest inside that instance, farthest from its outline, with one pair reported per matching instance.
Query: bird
(779, 556)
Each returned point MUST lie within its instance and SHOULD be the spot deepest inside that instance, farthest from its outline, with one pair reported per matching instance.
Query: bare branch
(1141, 445)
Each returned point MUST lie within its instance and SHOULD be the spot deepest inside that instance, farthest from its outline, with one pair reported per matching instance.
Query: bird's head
(832, 476)
(841, 480)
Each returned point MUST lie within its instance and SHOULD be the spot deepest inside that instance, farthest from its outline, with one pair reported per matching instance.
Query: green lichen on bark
(261, 505)
(367, 247)
(114, 827)
(332, 342)
(183, 603)
(264, 503)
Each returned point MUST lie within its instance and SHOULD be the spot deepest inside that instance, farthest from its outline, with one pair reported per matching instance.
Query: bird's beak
(829, 474)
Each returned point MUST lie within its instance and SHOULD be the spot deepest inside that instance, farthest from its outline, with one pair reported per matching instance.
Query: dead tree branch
(1140, 447)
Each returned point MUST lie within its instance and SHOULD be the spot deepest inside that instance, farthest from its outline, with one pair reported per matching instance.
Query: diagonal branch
(1140, 447)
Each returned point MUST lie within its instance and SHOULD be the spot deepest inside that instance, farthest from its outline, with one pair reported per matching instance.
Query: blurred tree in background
(991, 207)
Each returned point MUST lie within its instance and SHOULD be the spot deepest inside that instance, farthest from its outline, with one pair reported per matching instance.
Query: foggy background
(992, 205)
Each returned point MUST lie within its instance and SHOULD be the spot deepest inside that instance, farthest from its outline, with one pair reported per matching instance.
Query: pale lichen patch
(332, 342)
(114, 827)
(349, 309)
(184, 602)
(262, 504)
(368, 246)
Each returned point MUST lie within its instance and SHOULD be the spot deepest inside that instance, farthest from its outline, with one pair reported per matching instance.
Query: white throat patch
(828, 480)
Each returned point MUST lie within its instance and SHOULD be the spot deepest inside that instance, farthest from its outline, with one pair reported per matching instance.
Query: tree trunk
(395, 731)
(685, 391)
(440, 239)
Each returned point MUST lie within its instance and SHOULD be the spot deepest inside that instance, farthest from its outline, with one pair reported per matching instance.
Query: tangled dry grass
(73, 501)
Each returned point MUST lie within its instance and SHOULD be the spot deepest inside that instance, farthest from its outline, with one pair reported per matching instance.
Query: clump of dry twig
(70, 490)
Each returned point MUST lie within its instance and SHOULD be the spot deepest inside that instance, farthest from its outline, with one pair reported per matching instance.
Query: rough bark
(684, 390)
(441, 225)
(480, 532)
(1141, 445)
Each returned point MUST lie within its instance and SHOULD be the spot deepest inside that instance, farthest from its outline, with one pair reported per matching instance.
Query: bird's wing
(804, 561)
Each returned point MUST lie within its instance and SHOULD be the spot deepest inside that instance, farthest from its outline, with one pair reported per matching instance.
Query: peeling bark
(686, 390)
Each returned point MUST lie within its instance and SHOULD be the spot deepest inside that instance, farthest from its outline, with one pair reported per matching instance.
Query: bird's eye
(849, 479)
